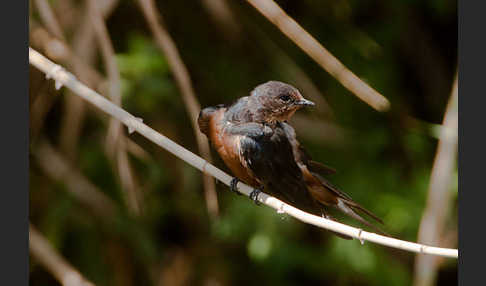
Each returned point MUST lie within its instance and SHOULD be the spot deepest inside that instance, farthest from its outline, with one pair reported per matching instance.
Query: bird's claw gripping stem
(254, 196)
(233, 184)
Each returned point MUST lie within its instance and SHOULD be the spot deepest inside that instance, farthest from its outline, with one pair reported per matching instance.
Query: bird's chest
(228, 146)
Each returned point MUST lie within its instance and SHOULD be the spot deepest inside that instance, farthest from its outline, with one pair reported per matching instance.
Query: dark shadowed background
(141, 217)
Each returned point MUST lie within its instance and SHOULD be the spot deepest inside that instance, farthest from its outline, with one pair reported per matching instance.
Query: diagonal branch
(181, 75)
(296, 76)
(77, 60)
(65, 78)
(60, 51)
(43, 252)
(321, 55)
(71, 127)
(221, 12)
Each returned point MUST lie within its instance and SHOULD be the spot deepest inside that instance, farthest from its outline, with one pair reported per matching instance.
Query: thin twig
(62, 76)
(71, 126)
(38, 111)
(111, 67)
(321, 55)
(221, 12)
(67, 13)
(295, 75)
(57, 168)
(47, 16)
(55, 46)
(438, 200)
(43, 252)
(137, 151)
(60, 51)
(84, 48)
(181, 75)
(115, 142)
(86, 30)
(74, 115)
(75, 108)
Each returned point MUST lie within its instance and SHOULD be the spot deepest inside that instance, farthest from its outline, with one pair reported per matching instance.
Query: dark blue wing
(268, 154)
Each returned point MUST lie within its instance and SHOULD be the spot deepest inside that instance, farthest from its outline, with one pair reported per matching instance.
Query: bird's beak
(305, 102)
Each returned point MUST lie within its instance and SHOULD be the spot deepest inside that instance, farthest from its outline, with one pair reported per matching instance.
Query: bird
(255, 141)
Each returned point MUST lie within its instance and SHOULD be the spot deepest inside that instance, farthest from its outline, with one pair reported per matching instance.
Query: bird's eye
(285, 97)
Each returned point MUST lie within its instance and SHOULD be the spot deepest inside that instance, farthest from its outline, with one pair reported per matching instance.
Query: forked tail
(350, 208)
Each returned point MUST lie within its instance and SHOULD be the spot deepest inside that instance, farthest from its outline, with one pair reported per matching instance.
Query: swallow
(254, 139)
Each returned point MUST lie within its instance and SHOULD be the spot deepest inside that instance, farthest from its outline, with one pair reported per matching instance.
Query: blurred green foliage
(407, 50)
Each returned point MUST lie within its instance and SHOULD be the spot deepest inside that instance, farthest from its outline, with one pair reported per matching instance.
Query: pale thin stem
(49, 258)
(61, 75)
(67, 13)
(137, 151)
(58, 169)
(84, 47)
(38, 111)
(107, 51)
(221, 12)
(55, 46)
(75, 109)
(321, 55)
(439, 195)
(296, 76)
(183, 80)
(60, 51)
(115, 142)
(71, 127)
(47, 16)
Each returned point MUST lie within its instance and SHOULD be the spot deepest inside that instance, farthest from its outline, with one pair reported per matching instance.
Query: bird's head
(277, 101)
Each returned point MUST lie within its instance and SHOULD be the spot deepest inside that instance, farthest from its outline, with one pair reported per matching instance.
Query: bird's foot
(233, 184)
(254, 196)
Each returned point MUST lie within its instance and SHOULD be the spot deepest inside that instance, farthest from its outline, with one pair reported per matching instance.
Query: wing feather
(270, 157)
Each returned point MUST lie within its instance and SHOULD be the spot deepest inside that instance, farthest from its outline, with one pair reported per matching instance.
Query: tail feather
(346, 204)
(355, 206)
(347, 208)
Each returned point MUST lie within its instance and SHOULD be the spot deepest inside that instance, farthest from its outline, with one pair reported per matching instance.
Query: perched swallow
(257, 144)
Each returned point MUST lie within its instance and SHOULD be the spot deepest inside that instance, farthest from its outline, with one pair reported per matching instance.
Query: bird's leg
(326, 214)
(254, 196)
(233, 184)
